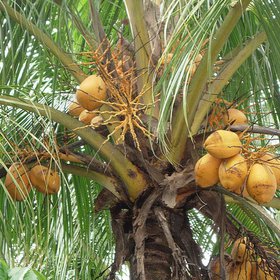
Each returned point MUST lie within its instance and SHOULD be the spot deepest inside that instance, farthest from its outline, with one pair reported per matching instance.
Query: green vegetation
(128, 200)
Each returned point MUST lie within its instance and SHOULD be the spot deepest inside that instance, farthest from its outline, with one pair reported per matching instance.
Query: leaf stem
(222, 79)
(182, 118)
(274, 203)
(107, 182)
(46, 40)
(131, 176)
(257, 209)
(135, 11)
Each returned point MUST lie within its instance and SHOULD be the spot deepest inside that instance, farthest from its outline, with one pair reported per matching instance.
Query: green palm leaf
(46, 49)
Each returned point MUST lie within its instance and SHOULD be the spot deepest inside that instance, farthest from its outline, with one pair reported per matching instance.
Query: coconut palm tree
(128, 198)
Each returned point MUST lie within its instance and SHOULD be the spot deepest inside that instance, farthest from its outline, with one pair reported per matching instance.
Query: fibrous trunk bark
(169, 250)
(157, 241)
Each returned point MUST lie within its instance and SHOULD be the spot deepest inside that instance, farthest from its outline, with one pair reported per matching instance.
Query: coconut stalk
(142, 48)
(110, 183)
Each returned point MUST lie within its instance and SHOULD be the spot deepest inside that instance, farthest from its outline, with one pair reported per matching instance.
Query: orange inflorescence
(120, 77)
(225, 113)
(215, 119)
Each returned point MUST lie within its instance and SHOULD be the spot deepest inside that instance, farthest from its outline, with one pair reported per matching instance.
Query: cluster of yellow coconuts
(19, 180)
(224, 163)
(241, 265)
(91, 91)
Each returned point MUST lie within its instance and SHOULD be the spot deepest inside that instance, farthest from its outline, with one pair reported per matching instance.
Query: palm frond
(61, 235)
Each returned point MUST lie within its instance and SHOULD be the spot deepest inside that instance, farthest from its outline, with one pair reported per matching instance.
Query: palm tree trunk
(169, 249)
(158, 242)
(157, 256)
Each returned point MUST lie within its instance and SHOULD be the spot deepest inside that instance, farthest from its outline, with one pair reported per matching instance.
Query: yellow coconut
(261, 271)
(206, 171)
(261, 183)
(274, 163)
(233, 172)
(86, 116)
(223, 144)
(245, 192)
(241, 250)
(17, 182)
(44, 179)
(97, 121)
(75, 109)
(215, 267)
(240, 271)
(254, 272)
(234, 116)
(91, 91)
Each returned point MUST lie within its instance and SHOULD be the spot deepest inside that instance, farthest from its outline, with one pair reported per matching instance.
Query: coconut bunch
(220, 145)
(233, 270)
(223, 115)
(262, 271)
(225, 164)
(243, 257)
(240, 264)
(19, 180)
(234, 116)
(92, 91)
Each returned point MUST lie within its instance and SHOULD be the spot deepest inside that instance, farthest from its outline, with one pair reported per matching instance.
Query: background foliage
(61, 235)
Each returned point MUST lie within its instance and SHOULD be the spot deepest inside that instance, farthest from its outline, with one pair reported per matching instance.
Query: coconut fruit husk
(261, 183)
(240, 271)
(233, 172)
(91, 91)
(86, 117)
(274, 163)
(96, 121)
(17, 182)
(244, 192)
(234, 117)
(44, 179)
(223, 144)
(242, 250)
(206, 171)
(261, 271)
(215, 267)
(75, 109)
